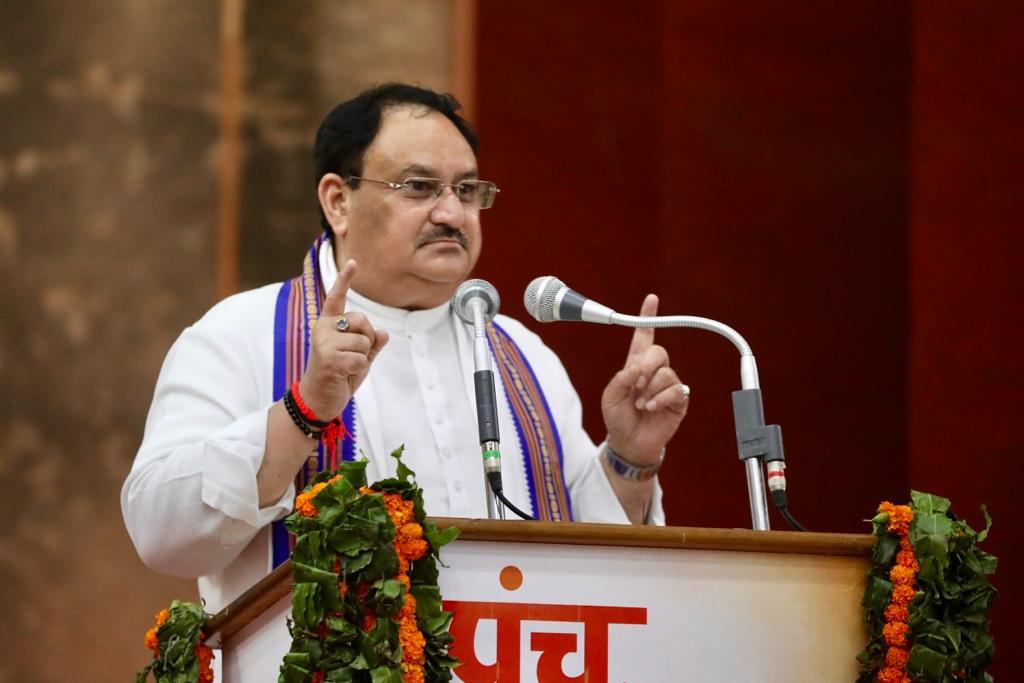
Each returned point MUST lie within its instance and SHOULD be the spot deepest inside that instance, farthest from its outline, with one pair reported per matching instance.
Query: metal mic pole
(486, 409)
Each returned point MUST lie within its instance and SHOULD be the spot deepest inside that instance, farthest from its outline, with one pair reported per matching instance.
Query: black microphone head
(471, 290)
(541, 295)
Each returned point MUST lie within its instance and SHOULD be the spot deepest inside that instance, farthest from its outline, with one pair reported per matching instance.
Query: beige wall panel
(108, 200)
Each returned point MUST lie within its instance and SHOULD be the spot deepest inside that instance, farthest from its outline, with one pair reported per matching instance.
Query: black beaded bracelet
(300, 422)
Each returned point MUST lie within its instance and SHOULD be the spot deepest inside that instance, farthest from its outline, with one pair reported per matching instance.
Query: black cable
(779, 499)
(494, 478)
(784, 511)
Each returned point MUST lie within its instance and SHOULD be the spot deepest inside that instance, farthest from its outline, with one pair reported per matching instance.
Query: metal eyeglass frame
(486, 200)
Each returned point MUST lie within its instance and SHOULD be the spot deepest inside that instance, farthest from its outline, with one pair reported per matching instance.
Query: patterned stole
(297, 309)
(538, 435)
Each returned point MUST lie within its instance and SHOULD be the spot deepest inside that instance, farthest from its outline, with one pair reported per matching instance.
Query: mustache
(443, 232)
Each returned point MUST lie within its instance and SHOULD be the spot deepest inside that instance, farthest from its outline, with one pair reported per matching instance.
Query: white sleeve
(190, 502)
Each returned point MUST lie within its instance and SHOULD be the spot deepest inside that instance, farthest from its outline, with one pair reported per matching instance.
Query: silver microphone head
(471, 290)
(541, 296)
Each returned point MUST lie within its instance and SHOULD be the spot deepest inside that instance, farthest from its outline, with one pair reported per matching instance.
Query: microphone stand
(547, 298)
(486, 410)
(756, 442)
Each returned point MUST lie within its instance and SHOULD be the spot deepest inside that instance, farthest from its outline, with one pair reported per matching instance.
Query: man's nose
(448, 208)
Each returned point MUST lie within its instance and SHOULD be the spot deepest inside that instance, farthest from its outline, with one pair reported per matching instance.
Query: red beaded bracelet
(331, 431)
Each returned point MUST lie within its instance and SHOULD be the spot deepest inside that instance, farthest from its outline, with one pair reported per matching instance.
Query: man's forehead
(419, 140)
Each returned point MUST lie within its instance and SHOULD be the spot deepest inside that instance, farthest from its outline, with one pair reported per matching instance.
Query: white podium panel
(544, 611)
(647, 615)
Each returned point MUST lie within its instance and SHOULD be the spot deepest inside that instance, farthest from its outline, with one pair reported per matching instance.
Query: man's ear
(333, 194)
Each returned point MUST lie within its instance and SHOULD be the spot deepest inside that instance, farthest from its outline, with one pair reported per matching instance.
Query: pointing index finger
(643, 338)
(334, 304)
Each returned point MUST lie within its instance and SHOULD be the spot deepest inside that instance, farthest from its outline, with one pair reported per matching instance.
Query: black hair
(349, 129)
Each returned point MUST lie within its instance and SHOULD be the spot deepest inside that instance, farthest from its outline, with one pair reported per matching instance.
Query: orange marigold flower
(901, 595)
(412, 673)
(409, 606)
(205, 655)
(895, 634)
(369, 620)
(399, 509)
(151, 641)
(412, 642)
(897, 657)
(906, 558)
(889, 675)
(895, 612)
(415, 549)
(901, 576)
(161, 617)
(304, 501)
(411, 530)
(342, 589)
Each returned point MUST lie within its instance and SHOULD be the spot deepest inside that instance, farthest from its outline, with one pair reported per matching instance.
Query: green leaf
(924, 661)
(930, 523)
(876, 593)
(342, 675)
(438, 537)
(983, 534)
(305, 573)
(928, 503)
(385, 674)
(291, 673)
(306, 608)
(885, 549)
(402, 472)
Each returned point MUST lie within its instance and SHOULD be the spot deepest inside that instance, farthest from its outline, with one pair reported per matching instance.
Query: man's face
(412, 253)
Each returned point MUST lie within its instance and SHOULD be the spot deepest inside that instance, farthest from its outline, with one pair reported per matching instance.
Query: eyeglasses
(479, 193)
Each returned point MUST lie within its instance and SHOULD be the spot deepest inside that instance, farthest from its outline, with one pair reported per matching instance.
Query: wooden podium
(553, 602)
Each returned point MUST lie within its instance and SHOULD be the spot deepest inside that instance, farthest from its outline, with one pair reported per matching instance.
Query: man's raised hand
(645, 401)
(341, 349)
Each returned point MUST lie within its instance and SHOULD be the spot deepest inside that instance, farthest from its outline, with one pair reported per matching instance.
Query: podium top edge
(677, 537)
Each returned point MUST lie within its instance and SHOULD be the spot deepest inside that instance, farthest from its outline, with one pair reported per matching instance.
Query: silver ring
(341, 324)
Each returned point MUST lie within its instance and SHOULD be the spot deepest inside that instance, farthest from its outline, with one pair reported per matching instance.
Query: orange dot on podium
(511, 577)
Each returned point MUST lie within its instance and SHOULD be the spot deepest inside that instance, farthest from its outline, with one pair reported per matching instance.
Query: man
(367, 333)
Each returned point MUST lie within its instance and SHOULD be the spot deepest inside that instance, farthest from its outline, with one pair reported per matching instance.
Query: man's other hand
(645, 401)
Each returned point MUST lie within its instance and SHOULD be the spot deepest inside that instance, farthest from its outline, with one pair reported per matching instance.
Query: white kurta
(190, 502)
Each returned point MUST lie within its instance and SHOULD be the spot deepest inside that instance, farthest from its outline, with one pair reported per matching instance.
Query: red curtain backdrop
(837, 181)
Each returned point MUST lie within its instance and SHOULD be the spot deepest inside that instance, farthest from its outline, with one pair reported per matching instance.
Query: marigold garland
(176, 642)
(920, 629)
(902, 577)
(365, 603)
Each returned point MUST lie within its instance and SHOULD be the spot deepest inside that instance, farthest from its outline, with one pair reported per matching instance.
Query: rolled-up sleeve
(191, 502)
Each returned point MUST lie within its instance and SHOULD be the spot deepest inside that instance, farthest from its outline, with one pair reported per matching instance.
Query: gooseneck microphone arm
(548, 298)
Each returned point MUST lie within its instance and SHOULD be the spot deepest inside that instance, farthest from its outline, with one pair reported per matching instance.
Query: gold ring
(341, 324)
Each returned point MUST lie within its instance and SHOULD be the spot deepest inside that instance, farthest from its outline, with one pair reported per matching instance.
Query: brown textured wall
(299, 66)
(108, 152)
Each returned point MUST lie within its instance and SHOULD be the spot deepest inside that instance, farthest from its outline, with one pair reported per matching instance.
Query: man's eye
(465, 190)
(419, 186)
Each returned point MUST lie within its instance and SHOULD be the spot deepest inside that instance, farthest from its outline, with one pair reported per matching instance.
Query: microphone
(476, 302)
(548, 299)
